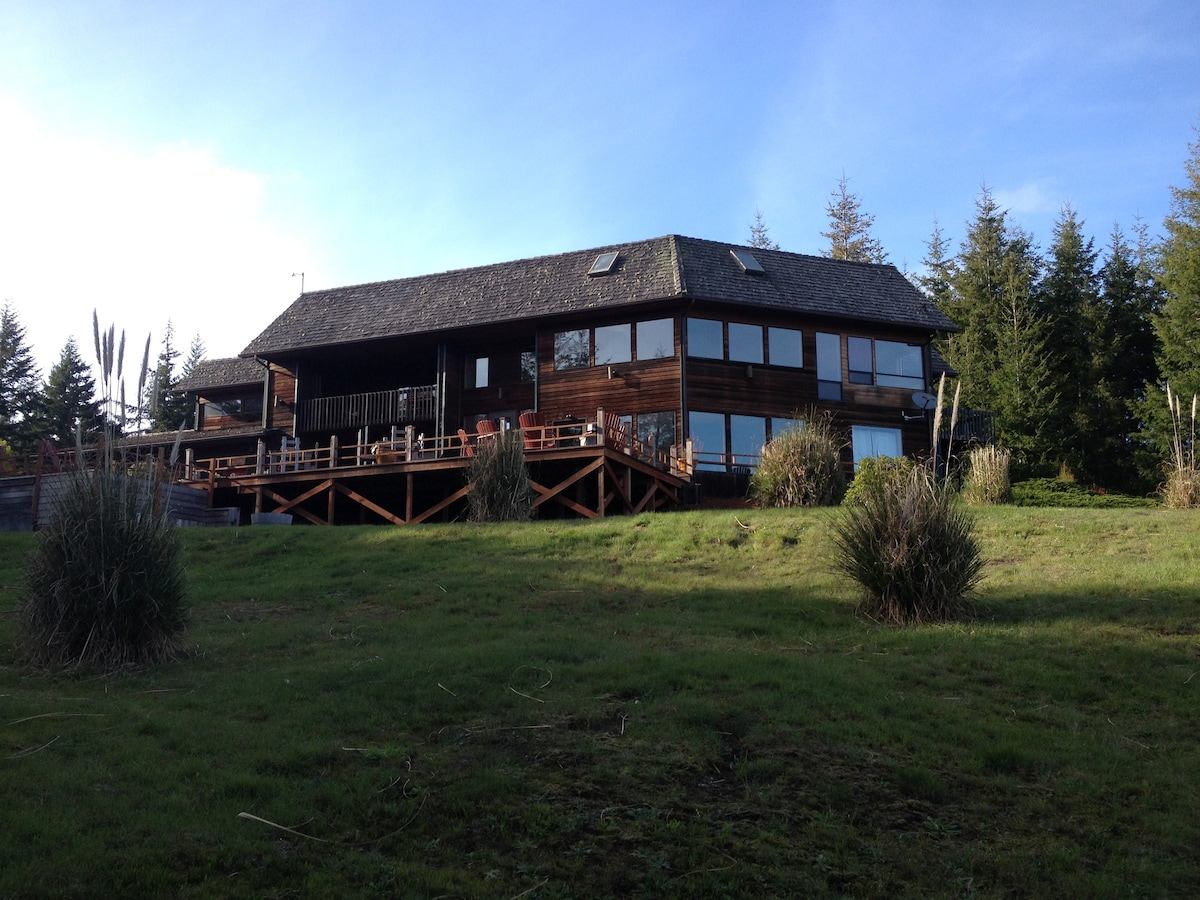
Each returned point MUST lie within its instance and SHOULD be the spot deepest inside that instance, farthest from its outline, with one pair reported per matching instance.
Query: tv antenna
(301, 274)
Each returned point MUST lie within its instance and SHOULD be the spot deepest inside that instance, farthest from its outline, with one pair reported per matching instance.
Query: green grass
(674, 705)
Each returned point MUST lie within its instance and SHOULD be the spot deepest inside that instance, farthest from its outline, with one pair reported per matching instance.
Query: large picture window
(708, 439)
(829, 366)
(785, 347)
(659, 426)
(656, 339)
(899, 365)
(705, 339)
(745, 343)
(571, 350)
(613, 344)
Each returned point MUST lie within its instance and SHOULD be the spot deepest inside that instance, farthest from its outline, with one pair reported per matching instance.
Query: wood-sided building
(685, 338)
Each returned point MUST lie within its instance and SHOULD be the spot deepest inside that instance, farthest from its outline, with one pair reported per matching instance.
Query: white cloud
(1034, 198)
(141, 235)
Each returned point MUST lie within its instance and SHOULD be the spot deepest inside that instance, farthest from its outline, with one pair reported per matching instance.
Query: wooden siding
(281, 398)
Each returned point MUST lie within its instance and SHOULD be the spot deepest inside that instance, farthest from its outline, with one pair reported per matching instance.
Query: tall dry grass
(104, 585)
(801, 467)
(986, 480)
(1182, 487)
(499, 479)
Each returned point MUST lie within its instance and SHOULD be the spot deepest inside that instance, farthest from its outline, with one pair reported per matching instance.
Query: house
(677, 338)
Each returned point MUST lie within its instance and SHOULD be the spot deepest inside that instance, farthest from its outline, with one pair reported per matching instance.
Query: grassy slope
(673, 705)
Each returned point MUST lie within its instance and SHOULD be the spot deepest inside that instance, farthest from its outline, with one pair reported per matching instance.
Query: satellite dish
(922, 400)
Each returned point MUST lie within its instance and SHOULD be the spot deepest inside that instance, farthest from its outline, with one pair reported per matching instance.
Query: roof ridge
(677, 265)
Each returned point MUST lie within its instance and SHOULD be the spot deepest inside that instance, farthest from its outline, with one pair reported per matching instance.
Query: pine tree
(69, 399)
(167, 407)
(849, 231)
(759, 236)
(1070, 303)
(938, 276)
(1178, 323)
(20, 383)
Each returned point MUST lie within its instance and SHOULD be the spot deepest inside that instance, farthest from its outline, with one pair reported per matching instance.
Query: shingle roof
(670, 267)
(222, 373)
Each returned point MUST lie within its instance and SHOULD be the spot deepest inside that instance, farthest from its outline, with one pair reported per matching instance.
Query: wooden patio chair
(533, 431)
(485, 428)
(616, 432)
(465, 448)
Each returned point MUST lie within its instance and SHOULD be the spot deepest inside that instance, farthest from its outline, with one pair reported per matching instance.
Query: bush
(104, 585)
(872, 473)
(986, 481)
(1182, 487)
(499, 479)
(1055, 492)
(911, 547)
(801, 467)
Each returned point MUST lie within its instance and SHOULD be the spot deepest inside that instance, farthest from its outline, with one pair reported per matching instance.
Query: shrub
(500, 490)
(1054, 492)
(104, 584)
(911, 547)
(872, 473)
(801, 467)
(1182, 487)
(986, 481)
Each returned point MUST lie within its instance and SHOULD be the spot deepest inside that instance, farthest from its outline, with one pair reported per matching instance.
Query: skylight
(603, 264)
(748, 262)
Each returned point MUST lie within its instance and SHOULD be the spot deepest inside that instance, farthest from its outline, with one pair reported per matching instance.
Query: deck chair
(465, 441)
(485, 428)
(533, 431)
(616, 432)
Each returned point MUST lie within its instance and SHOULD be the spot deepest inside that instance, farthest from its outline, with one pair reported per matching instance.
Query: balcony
(402, 406)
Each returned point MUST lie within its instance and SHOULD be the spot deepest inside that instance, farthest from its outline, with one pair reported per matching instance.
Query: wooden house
(675, 338)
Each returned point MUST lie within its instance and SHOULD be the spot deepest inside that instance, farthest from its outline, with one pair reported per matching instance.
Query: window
(603, 264)
(779, 425)
(528, 366)
(657, 425)
(785, 347)
(859, 361)
(829, 366)
(708, 439)
(747, 434)
(747, 261)
(613, 344)
(705, 339)
(571, 350)
(656, 339)
(477, 372)
(745, 343)
(868, 440)
(899, 365)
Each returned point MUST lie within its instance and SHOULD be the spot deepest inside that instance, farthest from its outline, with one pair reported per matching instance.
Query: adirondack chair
(486, 428)
(616, 432)
(533, 431)
(465, 448)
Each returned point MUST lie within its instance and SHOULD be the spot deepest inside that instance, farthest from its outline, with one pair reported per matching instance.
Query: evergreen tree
(759, 236)
(1070, 303)
(1178, 322)
(69, 399)
(1124, 364)
(938, 277)
(20, 383)
(849, 231)
(166, 406)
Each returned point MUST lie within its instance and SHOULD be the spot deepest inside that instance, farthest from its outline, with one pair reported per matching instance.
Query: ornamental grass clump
(802, 466)
(499, 479)
(986, 481)
(910, 546)
(1182, 487)
(104, 584)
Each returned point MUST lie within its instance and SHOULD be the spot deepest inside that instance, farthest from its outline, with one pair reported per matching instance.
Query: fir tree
(70, 399)
(20, 383)
(939, 268)
(849, 231)
(760, 239)
(1178, 322)
(167, 407)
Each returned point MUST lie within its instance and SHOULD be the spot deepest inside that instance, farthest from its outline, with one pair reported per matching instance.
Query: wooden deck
(574, 470)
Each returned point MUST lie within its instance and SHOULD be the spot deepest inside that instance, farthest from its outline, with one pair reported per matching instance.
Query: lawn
(674, 705)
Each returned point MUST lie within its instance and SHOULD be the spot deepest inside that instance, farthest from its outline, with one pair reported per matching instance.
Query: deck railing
(399, 406)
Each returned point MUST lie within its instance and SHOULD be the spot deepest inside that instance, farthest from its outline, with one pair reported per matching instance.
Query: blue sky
(181, 161)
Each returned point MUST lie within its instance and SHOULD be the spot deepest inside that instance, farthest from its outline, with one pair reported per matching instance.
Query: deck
(577, 469)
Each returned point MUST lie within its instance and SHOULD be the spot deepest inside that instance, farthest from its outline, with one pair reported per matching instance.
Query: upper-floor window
(885, 363)
(656, 339)
(745, 343)
(613, 344)
(477, 372)
(572, 349)
(528, 365)
(785, 347)
(829, 366)
(705, 338)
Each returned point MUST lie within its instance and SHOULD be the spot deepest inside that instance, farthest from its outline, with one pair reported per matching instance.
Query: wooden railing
(402, 405)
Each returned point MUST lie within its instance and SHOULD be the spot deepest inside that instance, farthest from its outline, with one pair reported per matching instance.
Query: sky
(186, 162)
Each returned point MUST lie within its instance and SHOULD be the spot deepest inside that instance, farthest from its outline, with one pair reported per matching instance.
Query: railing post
(333, 451)
(260, 457)
(689, 455)
(409, 442)
(189, 464)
